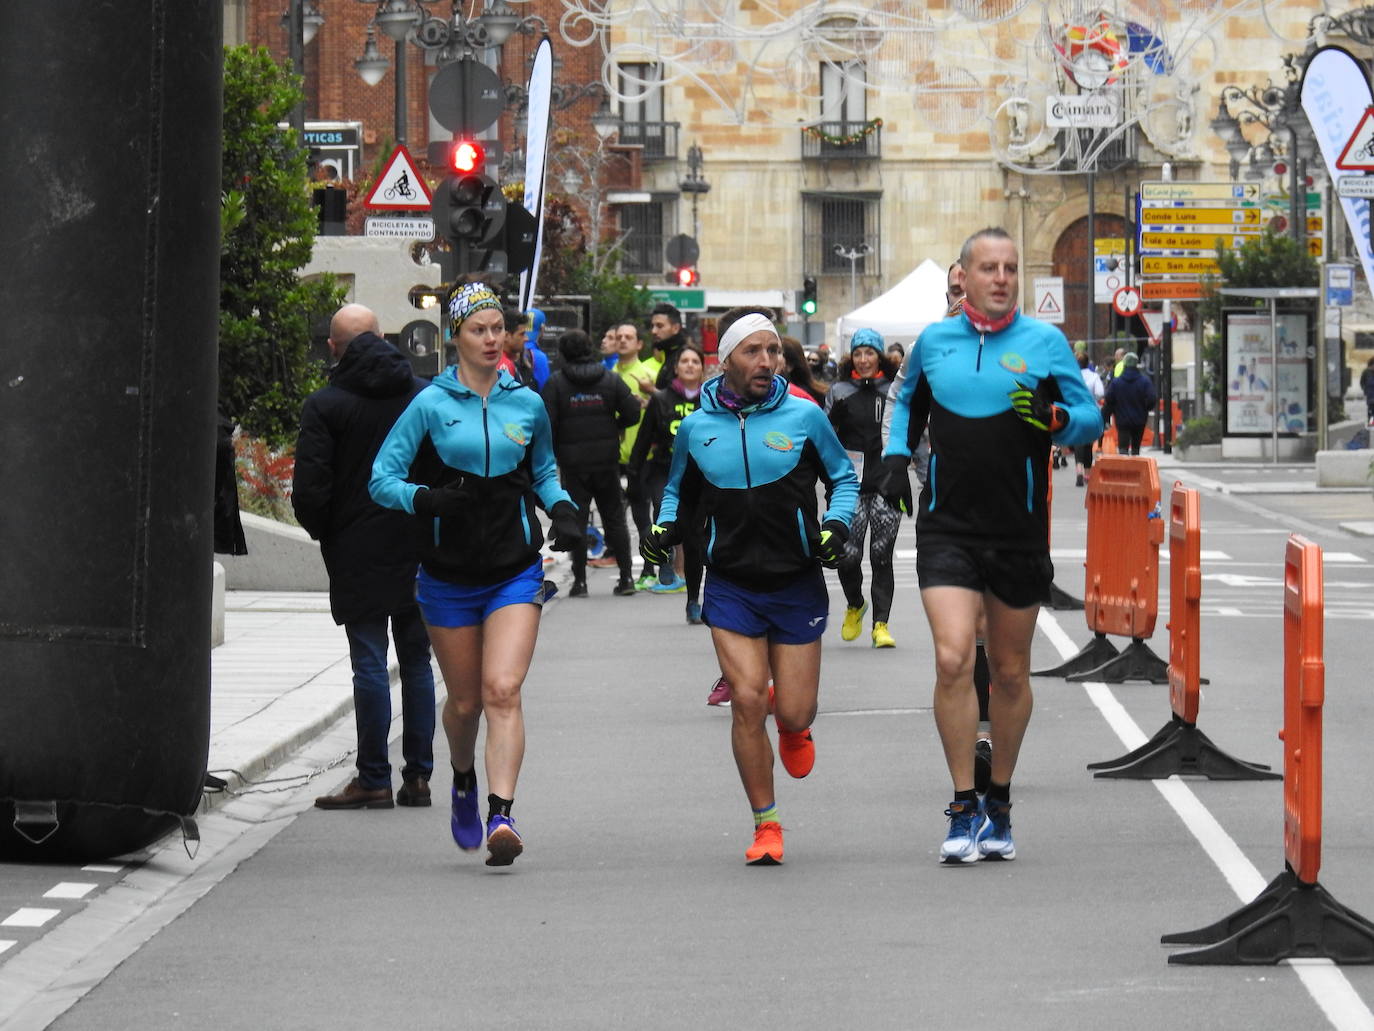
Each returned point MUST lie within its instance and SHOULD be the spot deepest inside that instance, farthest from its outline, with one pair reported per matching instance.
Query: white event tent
(901, 313)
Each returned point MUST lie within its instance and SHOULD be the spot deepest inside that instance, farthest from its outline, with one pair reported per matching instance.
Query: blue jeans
(367, 647)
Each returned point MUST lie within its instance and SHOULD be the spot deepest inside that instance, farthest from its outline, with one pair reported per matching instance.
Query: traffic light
(469, 207)
(808, 303)
(687, 275)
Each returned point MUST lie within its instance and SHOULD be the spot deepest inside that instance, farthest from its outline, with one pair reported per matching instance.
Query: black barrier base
(1137, 662)
(1180, 748)
(1287, 920)
(1062, 601)
(1094, 654)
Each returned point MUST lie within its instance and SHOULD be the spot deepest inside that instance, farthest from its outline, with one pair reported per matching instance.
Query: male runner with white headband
(744, 472)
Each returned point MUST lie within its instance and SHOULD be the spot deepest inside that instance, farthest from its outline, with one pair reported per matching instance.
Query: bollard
(1179, 747)
(1294, 916)
(1121, 594)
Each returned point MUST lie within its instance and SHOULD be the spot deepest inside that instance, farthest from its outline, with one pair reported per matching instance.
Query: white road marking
(102, 868)
(1324, 981)
(7, 945)
(70, 890)
(29, 916)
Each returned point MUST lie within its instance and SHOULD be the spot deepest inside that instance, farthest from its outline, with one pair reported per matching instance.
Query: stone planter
(1199, 453)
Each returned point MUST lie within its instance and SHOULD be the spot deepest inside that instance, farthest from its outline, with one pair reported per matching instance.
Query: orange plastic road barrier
(1121, 589)
(1185, 601)
(1304, 691)
(1180, 747)
(1124, 533)
(1294, 917)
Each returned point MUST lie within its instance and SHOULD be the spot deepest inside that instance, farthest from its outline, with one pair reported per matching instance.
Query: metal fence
(852, 140)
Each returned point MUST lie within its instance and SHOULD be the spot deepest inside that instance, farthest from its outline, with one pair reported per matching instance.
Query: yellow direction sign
(1184, 241)
(1196, 216)
(1314, 246)
(1158, 191)
(1178, 267)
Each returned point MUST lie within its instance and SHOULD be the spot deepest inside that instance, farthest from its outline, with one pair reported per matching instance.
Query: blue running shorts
(793, 614)
(455, 605)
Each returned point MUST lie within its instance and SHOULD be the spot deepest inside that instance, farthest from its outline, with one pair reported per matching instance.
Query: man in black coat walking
(589, 407)
(369, 552)
(1130, 401)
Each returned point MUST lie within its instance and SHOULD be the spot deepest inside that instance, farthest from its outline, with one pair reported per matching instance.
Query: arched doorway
(1072, 254)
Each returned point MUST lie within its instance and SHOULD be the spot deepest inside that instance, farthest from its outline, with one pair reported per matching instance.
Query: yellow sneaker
(853, 622)
(881, 638)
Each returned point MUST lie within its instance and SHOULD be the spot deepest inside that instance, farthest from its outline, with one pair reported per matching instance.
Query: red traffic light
(687, 276)
(466, 156)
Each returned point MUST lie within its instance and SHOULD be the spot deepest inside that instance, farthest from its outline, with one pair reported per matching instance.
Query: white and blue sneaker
(961, 843)
(503, 841)
(994, 836)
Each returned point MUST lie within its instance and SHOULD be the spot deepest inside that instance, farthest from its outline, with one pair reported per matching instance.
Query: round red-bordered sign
(1127, 301)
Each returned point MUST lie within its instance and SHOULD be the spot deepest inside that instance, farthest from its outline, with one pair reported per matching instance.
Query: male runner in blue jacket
(745, 468)
(996, 389)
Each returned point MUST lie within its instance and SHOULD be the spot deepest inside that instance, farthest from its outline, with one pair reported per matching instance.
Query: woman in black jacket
(652, 455)
(855, 405)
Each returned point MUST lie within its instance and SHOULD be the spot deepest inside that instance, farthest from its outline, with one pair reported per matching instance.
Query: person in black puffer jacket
(589, 406)
(855, 405)
(370, 554)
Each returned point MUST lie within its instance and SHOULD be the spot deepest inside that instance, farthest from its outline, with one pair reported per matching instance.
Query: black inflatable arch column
(109, 249)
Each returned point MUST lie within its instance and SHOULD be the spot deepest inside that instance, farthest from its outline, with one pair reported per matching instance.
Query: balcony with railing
(858, 141)
(659, 139)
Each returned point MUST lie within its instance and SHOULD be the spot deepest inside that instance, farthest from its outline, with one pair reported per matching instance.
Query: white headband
(741, 328)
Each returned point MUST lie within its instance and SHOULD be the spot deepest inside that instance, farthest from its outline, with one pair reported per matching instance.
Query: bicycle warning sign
(1358, 154)
(399, 187)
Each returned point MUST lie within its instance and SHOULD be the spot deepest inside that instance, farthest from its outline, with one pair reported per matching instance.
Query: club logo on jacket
(1013, 362)
(778, 441)
(516, 433)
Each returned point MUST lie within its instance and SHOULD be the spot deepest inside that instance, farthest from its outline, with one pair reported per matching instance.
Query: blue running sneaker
(994, 837)
(503, 841)
(677, 585)
(464, 820)
(961, 843)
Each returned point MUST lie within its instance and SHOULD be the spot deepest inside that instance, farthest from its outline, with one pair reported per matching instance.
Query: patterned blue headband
(469, 298)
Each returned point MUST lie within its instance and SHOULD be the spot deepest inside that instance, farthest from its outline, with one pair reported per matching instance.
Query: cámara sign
(1082, 111)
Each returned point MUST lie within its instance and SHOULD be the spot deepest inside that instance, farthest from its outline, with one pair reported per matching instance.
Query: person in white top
(1083, 453)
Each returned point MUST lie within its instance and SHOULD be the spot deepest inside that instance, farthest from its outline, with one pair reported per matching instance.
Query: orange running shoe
(797, 751)
(767, 847)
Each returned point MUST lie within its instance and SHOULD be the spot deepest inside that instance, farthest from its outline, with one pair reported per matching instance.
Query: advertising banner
(1252, 382)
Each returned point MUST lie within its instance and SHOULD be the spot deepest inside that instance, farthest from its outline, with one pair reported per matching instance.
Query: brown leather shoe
(355, 796)
(414, 792)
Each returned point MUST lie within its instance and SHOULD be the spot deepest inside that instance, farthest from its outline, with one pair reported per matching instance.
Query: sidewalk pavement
(282, 675)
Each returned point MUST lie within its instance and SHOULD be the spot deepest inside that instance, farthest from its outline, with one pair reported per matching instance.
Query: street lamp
(694, 182)
(302, 20)
(372, 65)
(853, 254)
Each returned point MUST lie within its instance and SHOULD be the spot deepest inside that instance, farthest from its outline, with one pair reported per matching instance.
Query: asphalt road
(632, 906)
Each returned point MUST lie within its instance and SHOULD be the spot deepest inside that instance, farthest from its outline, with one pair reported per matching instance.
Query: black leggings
(693, 555)
(1128, 439)
(603, 487)
(882, 521)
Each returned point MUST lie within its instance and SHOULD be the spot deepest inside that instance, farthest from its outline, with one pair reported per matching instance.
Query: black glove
(566, 529)
(657, 546)
(896, 485)
(829, 546)
(1034, 409)
(440, 501)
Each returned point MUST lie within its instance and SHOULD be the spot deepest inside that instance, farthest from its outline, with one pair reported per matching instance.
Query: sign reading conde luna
(1082, 111)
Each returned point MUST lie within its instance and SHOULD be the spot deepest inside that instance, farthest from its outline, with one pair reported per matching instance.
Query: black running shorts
(1019, 579)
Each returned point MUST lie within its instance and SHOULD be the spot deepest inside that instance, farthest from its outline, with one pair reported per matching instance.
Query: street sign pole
(1166, 341)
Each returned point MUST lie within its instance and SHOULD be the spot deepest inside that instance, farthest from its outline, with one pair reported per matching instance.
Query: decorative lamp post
(853, 254)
